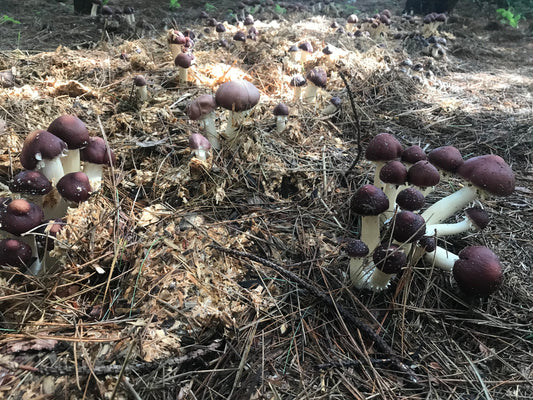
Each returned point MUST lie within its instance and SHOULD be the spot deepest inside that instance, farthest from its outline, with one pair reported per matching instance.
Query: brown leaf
(30, 345)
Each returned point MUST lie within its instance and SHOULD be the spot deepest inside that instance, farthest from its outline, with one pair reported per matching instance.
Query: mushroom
(447, 159)
(129, 13)
(393, 175)
(220, 30)
(357, 250)
(382, 148)
(423, 175)
(388, 261)
(488, 174)
(14, 253)
(294, 53)
(412, 154)
(176, 40)
(141, 89)
(94, 7)
(410, 199)
(199, 146)
(408, 227)
(74, 187)
(239, 38)
(183, 61)
(238, 97)
(351, 22)
(31, 184)
(333, 107)
(369, 202)
(475, 218)
(95, 156)
(75, 134)
(42, 151)
(306, 49)
(316, 78)
(281, 112)
(202, 109)
(297, 82)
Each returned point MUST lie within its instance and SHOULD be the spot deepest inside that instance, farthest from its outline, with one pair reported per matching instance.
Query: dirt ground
(143, 299)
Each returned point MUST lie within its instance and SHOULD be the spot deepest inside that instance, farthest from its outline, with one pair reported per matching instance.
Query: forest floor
(140, 299)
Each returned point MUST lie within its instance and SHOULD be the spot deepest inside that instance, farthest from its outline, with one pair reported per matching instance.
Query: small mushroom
(202, 109)
(316, 78)
(42, 151)
(95, 156)
(183, 61)
(281, 112)
(476, 218)
(141, 89)
(388, 261)
(357, 250)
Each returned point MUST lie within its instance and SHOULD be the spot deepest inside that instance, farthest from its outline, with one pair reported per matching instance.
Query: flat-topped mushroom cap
(239, 95)
(389, 259)
(281, 110)
(478, 216)
(478, 271)
(30, 182)
(318, 77)
(413, 154)
(489, 173)
(423, 174)
(97, 152)
(298, 81)
(408, 227)
(369, 200)
(14, 253)
(71, 130)
(40, 145)
(383, 147)
(74, 187)
(410, 199)
(20, 216)
(394, 172)
(447, 158)
(183, 60)
(139, 80)
(201, 106)
(197, 141)
(356, 248)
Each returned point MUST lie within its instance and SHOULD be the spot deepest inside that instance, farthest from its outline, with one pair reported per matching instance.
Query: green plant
(279, 10)
(174, 4)
(7, 18)
(209, 8)
(509, 16)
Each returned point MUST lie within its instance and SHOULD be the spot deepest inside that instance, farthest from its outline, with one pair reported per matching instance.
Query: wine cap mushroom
(14, 253)
(20, 216)
(281, 110)
(423, 174)
(318, 77)
(389, 259)
(383, 147)
(410, 199)
(71, 130)
(446, 158)
(39, 146)
(408, 227)
(30, 182)
(478, 271)
(239, 95)
(184, 60)
(489, 173)
(74, 187)
(394, 172)
(369, 200)
(412, 154)
(478, 217)
(201, 106)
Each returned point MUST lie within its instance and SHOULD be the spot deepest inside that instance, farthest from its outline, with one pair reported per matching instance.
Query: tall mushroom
(42, 151)
(183, 61)
(316, 78)
(382, 148)
(95, 156)
(202, 109)
(281, 112)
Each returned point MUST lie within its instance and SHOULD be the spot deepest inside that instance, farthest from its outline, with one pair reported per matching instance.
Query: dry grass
(284, 197)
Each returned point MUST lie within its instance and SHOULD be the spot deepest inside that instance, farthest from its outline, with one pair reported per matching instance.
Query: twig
(357, 124)
(365, 329)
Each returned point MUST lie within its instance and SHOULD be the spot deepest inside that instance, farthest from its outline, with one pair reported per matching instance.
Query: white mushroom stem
(450, 229)
(441, 258)
(235, 120)
(378, 280)
(71, 161)
(183, 74)
(94, 9)
(357, 272)
(297, 93)
(449, 205)
(310, 92)
(370, 231)
(52, 169)
(200, 154)
(303, 56)
(142, 93)
(377, 181)
(207, 124)
(95, 173)
(29, 239)
(130, 19)
(281, 122)
(294, 56)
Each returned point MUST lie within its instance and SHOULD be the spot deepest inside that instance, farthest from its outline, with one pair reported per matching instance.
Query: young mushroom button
(183, 61)
(478, 271)
(388, 260)
(238, 97)
(141, 90)
(382, 148)
(281, 112)
(14, 253)
(74, 187)
(75, 134)
(447, 159)
(357, 250)
(95, 156)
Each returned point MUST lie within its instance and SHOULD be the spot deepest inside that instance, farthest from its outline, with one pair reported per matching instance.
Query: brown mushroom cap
(489, 173)
(394, 172)
(71, 130)
(389, 259)
(30, 182)
(383, 147)
(423, 174)
(478, 271)
(413, 154)
(298, 81)
(14, 253)
(239, 36)
(427, 243)
(139, 80)
(369, 200)
(318, 77)
(356, 248)
(239, 95)
(20, 216)
(306, 46)
(447, 158)
(408, 227)
(74, 187)
(478, 216)
(281, 110)
(47, 233)
(40, 145)
(410, 199)
(201, 106)
(197, 141)
(183, 60)
(97, 152)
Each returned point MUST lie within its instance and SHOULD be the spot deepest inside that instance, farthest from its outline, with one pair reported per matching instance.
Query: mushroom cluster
(397, 231)
(63, 166)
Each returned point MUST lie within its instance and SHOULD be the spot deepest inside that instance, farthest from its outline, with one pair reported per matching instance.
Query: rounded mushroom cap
(298, 81)
(97, 152)
(40, 145)
(410, 199)
(447, 158)
(306, 46)
(318, 77)
(248, 20)
(440, 17)
(478, 216)
(47, 233)
(14, 253)
(71, 130)
(74, 187)
(212, 22)
(30, 182)
(489, 173)
(198, 141)
(293, 49)
(408, 227)
(139, 80)
(478, 271)
(237, 96)
(336, 101)
(369, 200)
(20, 216)
(201, 106)
(356, 248)
(414, 153)
(239, 36)
(183, 60)
(281, 109)
(394, 172)
(220, 28)
(176, 37)
(423, 174)
(383, 147)
(334, 25)
(427, 243)
(386, 13)
(352, 19)
(389, 259)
